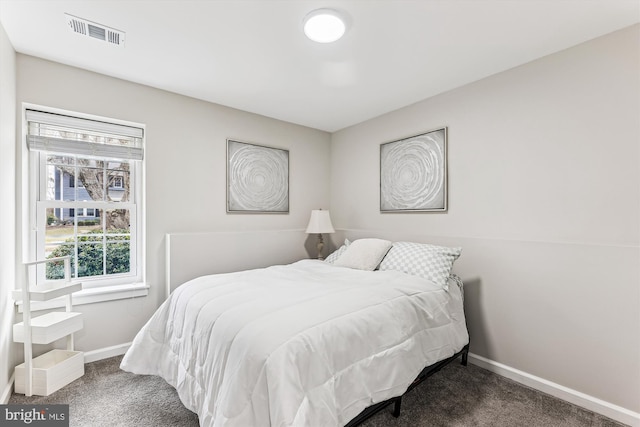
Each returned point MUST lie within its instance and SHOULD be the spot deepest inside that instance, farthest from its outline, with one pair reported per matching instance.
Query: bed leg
(465, 355)
(396, 406)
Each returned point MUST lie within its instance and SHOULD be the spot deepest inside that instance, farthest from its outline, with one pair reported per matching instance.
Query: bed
(310, 343)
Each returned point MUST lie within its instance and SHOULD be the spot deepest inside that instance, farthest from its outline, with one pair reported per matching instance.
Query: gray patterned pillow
(336, 254)
(419, 259)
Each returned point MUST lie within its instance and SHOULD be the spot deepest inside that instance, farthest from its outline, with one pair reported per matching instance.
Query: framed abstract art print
(257, 178)
(413, 173)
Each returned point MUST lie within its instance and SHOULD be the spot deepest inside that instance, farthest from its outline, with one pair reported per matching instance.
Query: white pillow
(336, 254)
(419, 259)
(364, 254)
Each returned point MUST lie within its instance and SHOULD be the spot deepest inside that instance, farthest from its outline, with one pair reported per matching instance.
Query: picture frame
(413, 173)
(257, 178)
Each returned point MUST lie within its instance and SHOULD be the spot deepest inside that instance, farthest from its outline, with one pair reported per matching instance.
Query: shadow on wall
(333, 241)
(476, 319)
(330, 245)
(310, 245)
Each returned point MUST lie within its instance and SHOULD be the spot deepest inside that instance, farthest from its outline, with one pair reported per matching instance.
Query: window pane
(90, 259)
(59, 241)
(89, 226)
(57, 235)
(90, 179)
(118, 257)
(118, 184)
(60, 180)
(55, 269)
(54, 217)
(118, 221)
(118, 237)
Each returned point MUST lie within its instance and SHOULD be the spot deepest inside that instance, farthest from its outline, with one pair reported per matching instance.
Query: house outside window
(87, 197)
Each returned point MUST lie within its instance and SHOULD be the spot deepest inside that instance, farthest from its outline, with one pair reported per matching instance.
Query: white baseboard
(105, 353)
(591, 403)
(6, 393)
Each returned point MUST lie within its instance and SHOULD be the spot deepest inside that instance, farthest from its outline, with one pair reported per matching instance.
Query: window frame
(95, 288)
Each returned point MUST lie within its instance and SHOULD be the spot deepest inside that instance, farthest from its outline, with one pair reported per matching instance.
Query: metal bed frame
(397, 401)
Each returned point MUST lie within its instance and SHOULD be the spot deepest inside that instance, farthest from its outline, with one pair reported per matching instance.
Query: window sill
(93, 295)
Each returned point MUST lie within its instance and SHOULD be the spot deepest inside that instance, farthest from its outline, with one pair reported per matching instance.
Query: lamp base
(320, 247)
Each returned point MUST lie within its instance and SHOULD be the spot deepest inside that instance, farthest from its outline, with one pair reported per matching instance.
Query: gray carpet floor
(455, 396)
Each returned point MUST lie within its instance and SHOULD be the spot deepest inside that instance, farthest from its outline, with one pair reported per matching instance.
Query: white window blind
(57, 133)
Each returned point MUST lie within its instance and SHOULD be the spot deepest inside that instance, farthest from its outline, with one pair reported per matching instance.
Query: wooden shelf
(49, 327)
(46, 293)
(51, 371)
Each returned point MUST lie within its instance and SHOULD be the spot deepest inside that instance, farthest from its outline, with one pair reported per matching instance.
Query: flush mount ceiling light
(324, 25)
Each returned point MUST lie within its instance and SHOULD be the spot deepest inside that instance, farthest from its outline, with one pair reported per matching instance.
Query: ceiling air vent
(94, 30)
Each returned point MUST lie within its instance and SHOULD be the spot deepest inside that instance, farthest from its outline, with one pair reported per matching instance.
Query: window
(87, 181)
(117, 182)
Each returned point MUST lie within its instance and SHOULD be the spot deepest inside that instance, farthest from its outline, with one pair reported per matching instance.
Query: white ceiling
(252, 54)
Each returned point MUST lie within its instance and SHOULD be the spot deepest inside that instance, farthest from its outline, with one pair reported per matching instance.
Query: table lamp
(320, 222)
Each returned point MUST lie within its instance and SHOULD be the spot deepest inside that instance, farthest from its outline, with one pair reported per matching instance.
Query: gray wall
(185, 172)
(544, 182)
(7, 213)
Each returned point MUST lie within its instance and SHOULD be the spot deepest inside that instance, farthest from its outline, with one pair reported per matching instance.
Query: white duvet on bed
(306, 344)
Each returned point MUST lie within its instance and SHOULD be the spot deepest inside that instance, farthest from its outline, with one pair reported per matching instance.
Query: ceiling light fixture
(324, 25)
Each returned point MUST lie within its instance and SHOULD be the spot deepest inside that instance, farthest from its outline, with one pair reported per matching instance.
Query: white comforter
(306, 344)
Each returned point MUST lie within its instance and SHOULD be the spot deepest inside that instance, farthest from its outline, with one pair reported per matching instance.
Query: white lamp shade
(320, 222)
